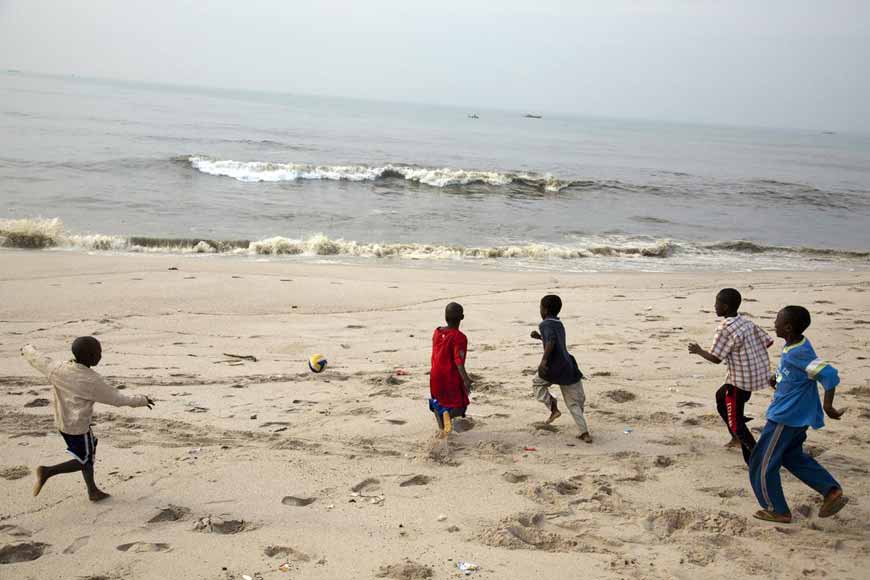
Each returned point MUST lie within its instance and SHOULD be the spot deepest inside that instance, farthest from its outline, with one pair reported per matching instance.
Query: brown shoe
(834, 502)
(769, 516)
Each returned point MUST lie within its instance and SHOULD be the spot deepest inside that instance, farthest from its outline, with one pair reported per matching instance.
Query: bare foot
(585, 437)
(555, 414)
(40, 480)
(834, 502)
(448, 422)
(98, 495)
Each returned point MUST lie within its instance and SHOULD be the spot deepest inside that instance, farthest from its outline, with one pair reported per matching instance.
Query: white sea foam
(50, 233)
(253, 171)
(30, 233)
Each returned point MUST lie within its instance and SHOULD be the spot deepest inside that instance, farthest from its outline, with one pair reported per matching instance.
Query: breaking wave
(754, 248)
(323, 246)
(254, 171)
(50, 233)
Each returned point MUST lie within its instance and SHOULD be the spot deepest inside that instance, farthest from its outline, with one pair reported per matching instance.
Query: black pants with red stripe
(730, 402)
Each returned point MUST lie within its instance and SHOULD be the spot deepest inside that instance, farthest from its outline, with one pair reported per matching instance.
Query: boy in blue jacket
(794, 408)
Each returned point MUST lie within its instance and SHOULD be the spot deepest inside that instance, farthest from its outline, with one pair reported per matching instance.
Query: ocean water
(104, 166)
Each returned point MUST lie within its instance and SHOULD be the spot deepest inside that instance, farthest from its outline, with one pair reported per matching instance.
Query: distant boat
(473, 116)
(829, 132)
(533, 116)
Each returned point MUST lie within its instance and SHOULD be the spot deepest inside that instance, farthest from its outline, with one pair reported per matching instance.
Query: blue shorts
(436, 408)
(83, 447)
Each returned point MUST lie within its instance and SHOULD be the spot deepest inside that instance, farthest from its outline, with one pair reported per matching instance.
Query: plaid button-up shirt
(743, 346)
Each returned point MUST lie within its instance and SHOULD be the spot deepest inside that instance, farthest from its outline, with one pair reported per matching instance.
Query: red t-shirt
(449, 346)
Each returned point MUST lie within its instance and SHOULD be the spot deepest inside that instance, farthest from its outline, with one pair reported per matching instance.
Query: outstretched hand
(536, 335)
(695, 348)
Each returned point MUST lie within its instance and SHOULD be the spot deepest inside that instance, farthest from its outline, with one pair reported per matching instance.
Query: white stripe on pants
(575, 399)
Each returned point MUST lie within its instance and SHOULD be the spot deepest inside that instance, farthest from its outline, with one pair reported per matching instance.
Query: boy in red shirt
(449, 384)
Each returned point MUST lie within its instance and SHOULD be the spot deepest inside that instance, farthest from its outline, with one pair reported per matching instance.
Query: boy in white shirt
(76, 387)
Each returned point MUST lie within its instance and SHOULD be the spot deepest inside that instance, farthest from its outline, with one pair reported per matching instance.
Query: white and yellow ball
(317, 362)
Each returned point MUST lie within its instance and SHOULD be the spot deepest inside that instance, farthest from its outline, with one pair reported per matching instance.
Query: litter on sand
(467, 568)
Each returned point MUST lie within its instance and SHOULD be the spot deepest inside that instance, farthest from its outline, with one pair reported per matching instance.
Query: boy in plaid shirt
(743, 346)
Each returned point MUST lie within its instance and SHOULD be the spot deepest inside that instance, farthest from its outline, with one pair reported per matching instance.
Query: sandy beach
(252, 466)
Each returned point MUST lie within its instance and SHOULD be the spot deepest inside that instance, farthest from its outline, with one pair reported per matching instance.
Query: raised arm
(37, 360)
(723, 344)
(103, 392)
(695, 348)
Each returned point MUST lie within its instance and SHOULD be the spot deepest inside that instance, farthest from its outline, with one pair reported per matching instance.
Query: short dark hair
(453, 313)
(730, 297)
(798, 317)
(84, 348)
(552, 303)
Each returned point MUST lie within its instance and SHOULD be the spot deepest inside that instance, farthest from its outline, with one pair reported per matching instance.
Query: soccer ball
(317, 362)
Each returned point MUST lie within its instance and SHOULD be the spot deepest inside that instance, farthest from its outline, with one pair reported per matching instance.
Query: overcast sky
(785, 63)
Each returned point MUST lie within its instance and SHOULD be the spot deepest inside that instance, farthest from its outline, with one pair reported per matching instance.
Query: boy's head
(551, 305)
(792, 321)
(87, 351)
(454, 314)
(727, 302)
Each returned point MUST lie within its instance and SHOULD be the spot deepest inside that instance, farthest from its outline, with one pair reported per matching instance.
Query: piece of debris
(249, 357)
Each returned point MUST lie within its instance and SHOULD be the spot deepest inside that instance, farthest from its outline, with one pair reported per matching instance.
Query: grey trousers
(575, 399)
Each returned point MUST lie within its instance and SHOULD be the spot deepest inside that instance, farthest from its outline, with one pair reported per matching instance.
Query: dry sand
(245, 466)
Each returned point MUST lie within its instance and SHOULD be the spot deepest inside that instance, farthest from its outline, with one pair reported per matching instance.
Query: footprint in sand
(24, 552)
(77, 545)
(724, 492)
(141, 547)
(298, 501)
(366, 484)
(286, 553)
(462, 424)
(620, 396)
(416, 480)
(406, 570)
(39, 402)
(525, 531)
(514, 477)
(172, 513)
(396, 421)
(14, 531)
(216, 525)
(14, 472)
